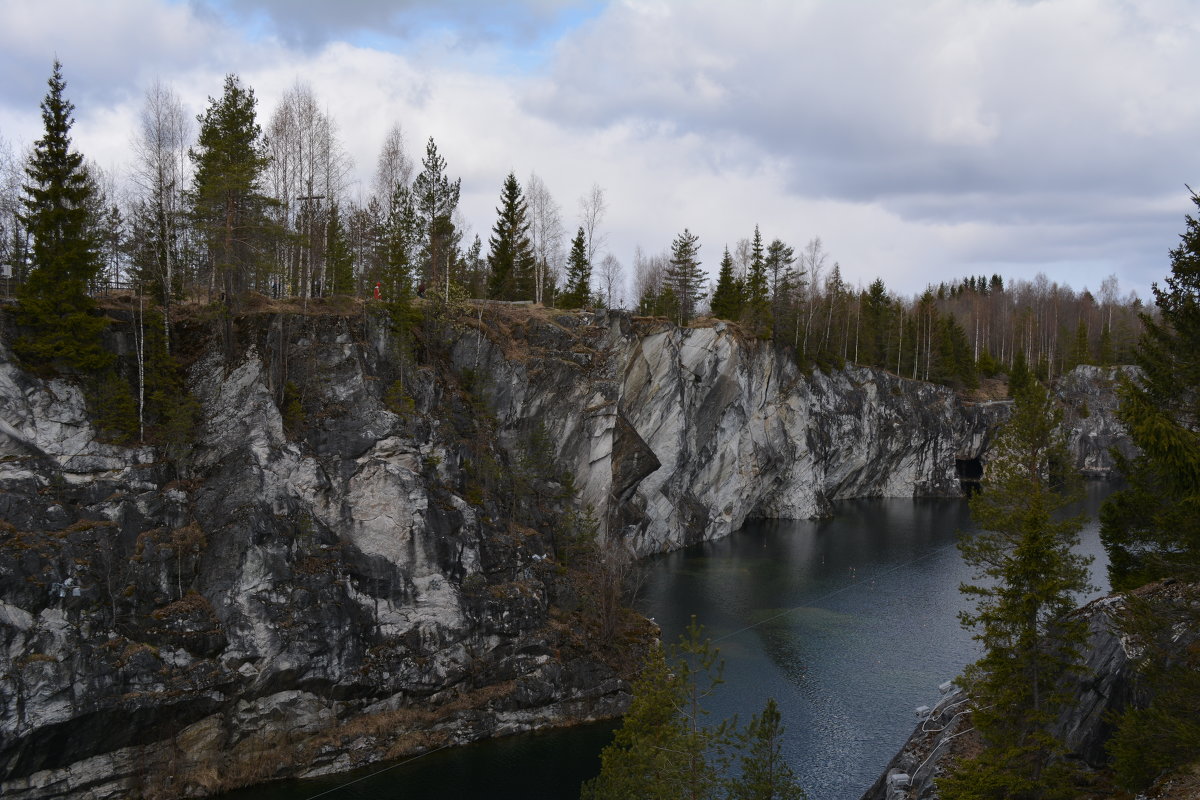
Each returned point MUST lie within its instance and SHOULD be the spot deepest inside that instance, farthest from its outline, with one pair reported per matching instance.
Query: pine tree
(227, 205)
(727, 297)
(54, 303)
(511, 256)
(1023, 557)
(436, 199)
(684, 275)
(779, 266)
(579, 274)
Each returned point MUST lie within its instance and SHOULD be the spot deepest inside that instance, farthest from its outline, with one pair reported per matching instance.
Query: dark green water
(849, 623)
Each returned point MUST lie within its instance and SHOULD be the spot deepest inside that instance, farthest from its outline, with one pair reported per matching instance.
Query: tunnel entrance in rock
(970, 473)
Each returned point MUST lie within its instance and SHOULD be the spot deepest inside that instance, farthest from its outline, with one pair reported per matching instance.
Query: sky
(920, 140)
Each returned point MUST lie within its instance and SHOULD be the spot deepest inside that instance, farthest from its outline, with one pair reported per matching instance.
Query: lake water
(849, 623)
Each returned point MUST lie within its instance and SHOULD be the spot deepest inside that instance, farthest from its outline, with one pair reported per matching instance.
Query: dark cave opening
(970, 473)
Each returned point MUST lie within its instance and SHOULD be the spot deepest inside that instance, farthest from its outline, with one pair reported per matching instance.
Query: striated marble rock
(306, 596)
(681, 435)
(1089, 396)
(271, 602)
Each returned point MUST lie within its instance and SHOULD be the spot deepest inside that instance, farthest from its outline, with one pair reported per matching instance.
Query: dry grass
(990, 389)
(1181, 785)
(199, 308)
(410, 721)
(191, 603)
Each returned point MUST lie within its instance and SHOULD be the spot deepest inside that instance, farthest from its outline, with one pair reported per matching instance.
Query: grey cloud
(312, 23)
(873, 103)
(108, 50)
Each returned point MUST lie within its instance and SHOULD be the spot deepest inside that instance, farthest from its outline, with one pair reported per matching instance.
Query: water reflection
(848, 623)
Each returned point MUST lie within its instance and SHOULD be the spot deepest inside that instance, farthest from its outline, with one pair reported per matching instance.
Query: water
(538, 766)
(849, 623)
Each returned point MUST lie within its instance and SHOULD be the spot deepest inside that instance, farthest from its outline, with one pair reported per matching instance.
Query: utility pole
(306, 199)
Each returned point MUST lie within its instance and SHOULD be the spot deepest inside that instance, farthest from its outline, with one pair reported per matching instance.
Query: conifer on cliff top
(64, 330)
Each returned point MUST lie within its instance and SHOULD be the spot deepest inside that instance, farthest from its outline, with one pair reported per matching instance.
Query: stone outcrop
(375, 572)
(681, 435)
(273, 602)
(1089, 397)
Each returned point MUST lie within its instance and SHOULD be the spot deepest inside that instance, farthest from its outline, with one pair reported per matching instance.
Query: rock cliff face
(681, 435)
(378, 573)
(271, 602)
(1090, 399)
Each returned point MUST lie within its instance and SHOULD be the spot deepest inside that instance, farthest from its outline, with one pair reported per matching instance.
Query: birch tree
(308, 172)
(611, 277)
(592, 208)
(161, 173)
(545, 234)
(395, 166)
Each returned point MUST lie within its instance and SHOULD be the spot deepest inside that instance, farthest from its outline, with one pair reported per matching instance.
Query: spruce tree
(756, 309)
(876, 319)
(1022, 556)
(228, 206)
(1106, 356)
(765, 774)
(339, 261)
(475, 270)
(170, 411)
(54, 302)
(684, 275)
(1080, 352)
(401, 240)
(955, 364)
(511, 256)
(727, 297)
(666, 748)
(1019, 376)
(579, 274)
(1152, 529)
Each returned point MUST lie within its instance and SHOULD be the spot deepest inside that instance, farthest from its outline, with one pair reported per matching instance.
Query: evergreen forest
(241, 200)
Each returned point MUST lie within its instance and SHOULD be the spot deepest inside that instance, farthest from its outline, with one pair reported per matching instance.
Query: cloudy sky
(920, 140)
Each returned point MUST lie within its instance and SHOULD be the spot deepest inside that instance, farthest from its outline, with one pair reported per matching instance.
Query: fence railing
(9, 286)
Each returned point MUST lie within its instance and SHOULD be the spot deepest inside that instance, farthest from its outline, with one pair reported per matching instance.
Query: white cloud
(920, 140)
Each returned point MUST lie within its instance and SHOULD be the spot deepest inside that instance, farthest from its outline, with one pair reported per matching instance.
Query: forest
(238, 201)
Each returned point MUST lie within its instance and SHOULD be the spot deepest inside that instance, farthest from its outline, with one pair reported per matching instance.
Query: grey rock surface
(1090, 397)
(681, 435)
(379, 578)
(272, 602)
